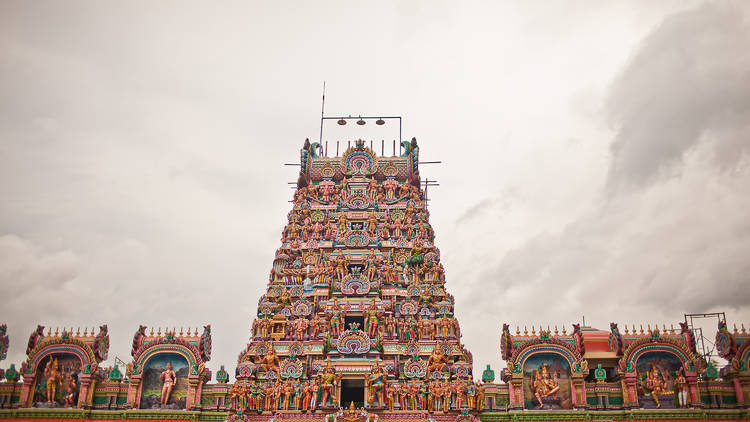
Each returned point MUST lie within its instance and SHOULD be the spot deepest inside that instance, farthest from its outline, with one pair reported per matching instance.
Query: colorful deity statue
(284, 298)
(328, 383)
(169, 380)
(54, 379)
(656, 382)
(270, 362)
(371, 266)
(315, 323)
(372, 319)
(437, 360)
(390, 187)
(372, 189)
(681, 384)
(336, 318)
(341, 264)
(300, 327)
(376, 384)
(544, 385)
(344, 190)
(390, 326)
(479, 396)
(391, 393)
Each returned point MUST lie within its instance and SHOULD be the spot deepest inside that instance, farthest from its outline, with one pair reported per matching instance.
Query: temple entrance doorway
(352, 390)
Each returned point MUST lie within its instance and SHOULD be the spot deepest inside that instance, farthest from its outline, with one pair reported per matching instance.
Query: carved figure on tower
(437, 360)
(376, 384)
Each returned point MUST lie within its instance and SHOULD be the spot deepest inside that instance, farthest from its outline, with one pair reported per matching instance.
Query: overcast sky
(595, 155)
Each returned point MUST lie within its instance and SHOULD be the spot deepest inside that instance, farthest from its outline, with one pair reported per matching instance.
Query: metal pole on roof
(322, 109)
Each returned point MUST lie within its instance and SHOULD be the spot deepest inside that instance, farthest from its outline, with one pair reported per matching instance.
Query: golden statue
(54, 378)
(657, 383)
(284, 299)
(544, 385)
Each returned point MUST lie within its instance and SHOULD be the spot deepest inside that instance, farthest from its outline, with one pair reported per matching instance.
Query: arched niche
(657, 371)
(543, 372)
(57, 372)
(152, 383)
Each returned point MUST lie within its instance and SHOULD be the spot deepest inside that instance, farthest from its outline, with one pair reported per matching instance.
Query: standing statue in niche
(54, 378)
(169, 380)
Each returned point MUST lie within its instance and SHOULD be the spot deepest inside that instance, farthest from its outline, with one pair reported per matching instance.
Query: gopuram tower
(356, 313)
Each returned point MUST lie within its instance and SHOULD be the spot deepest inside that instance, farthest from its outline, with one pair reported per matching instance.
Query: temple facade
(357, 325)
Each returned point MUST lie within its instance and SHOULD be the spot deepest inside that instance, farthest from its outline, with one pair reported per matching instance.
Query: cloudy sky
(595, 155)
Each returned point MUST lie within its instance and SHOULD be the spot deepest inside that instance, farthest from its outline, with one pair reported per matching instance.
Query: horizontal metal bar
(361, 117)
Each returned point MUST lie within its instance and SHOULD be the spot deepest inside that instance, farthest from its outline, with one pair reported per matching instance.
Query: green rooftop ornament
(488, 375)
(11, 375)
(115, 374)
(222, 376)
(599, 373)
(711, 371)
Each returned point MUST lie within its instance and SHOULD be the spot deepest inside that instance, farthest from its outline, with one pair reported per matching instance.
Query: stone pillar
(27, 391)
(515, 391)
(743, 382)
(630, 394)
(83, 393)
(134, 392)
(193, 381)
(578, 391)
(692, 384)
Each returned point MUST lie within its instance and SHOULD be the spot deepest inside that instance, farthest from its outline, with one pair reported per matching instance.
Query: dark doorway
(353, 318)
(352, 391)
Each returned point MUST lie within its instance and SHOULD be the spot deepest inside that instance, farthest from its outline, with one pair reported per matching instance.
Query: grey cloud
(689, 82)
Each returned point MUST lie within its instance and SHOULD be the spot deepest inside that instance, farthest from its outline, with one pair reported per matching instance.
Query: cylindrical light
(380, 122)
(342, 122)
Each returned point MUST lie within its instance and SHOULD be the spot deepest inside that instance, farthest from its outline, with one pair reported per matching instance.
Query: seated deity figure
(168, 379)
(270, 362)
(657, 383)
(544, 385)
(436, 361)
(284, 298)
(376, 384)
(54, 378)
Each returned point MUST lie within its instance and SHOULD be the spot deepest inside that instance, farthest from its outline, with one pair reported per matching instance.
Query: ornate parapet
(63, 366)
(544, 369)
(734, 346)
(159, 359)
